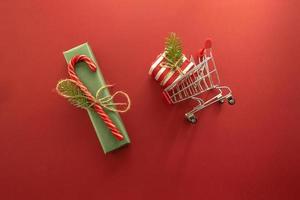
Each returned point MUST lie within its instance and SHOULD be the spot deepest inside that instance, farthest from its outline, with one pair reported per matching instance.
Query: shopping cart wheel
(192, 119)
(231, 100)
(221, 101)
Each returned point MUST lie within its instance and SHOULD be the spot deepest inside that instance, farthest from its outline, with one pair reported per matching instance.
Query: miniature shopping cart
(197, 83)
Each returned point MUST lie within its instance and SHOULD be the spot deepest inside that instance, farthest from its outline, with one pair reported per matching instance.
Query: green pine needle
(68, 89)
(173, 50)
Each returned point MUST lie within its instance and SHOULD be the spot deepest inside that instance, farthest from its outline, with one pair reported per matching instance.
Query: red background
(49, 150)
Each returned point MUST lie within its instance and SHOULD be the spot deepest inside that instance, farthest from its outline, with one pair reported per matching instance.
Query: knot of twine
(173, 66)
(98, 103)
(108, 103)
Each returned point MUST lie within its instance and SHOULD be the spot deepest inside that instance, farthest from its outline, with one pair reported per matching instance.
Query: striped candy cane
(112, 127)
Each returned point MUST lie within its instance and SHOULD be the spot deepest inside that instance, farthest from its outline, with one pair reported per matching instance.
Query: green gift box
(93, 81)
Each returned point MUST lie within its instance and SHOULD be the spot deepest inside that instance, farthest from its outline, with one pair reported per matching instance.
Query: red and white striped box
(166, 76)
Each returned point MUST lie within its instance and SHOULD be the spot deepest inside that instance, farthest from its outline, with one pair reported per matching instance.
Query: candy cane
(112, 127)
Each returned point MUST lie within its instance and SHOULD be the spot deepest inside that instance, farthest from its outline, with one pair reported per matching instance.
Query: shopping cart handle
(208, 44)
(198, 55)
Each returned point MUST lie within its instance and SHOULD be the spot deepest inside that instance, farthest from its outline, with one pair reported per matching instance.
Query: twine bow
(79, 99)
(173, 66)
(108, 103)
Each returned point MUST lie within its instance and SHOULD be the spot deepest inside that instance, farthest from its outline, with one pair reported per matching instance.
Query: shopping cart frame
(202, 78)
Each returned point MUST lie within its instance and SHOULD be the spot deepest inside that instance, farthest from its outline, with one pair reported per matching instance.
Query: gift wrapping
(165, 75)
(93, 81)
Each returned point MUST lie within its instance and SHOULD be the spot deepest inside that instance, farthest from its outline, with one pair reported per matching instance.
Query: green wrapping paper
(93, 81)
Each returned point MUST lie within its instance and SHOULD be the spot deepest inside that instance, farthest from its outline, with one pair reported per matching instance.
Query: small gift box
(172, 64)
(165, 74)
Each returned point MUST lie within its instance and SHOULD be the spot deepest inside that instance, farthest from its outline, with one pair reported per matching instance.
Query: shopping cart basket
(203, 78)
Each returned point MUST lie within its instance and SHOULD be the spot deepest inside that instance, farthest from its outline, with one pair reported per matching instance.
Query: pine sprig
(173, 51)
(68, 89)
